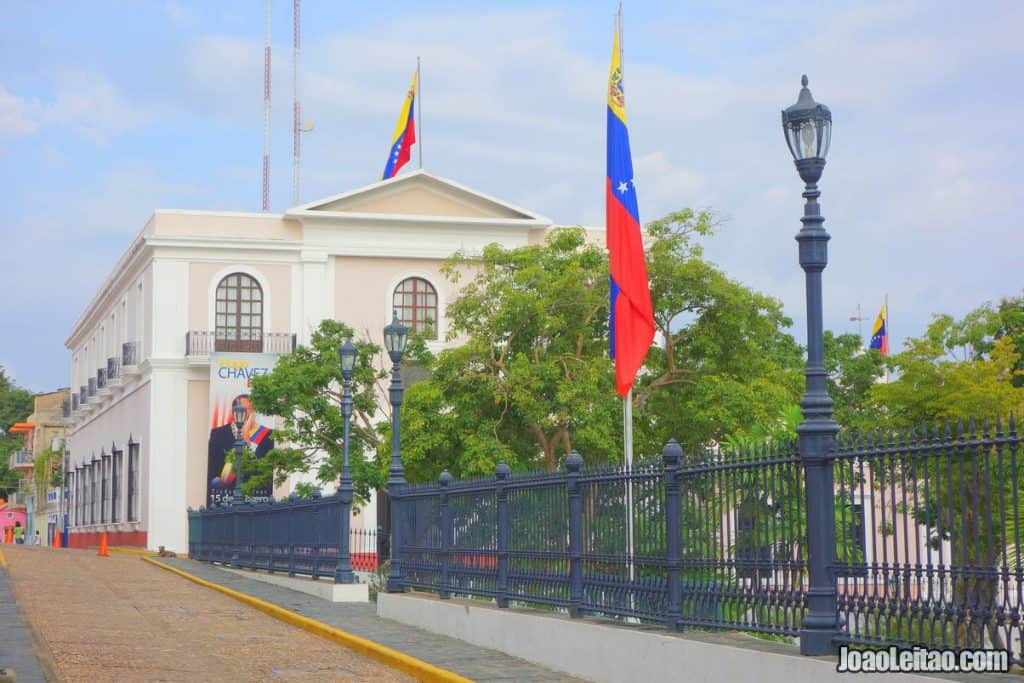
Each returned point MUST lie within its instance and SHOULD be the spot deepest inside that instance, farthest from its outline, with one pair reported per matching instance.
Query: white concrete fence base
(608, 653)
(324, 588)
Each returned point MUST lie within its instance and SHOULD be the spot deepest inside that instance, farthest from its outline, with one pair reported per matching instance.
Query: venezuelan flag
(879, 335)
(258, 435)
(631, 318)
(405, 134)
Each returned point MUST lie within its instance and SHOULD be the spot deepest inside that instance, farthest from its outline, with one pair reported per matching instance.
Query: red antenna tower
(266, 105)
(296, 110)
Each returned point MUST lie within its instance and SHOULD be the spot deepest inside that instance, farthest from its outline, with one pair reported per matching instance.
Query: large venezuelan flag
(405, 134)
(879, 335)
(631, 319)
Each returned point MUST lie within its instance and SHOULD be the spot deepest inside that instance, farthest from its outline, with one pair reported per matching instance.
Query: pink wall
(9, 517)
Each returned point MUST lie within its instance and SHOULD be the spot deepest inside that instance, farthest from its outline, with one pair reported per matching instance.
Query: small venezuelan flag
(258, 436)
(631, 319)
(405, 134)
(879, 335)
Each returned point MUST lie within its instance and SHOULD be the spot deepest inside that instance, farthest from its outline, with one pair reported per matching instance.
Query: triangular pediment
(419, 194)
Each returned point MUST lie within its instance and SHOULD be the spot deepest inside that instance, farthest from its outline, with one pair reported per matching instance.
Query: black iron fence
(292, 537)
(927, 531)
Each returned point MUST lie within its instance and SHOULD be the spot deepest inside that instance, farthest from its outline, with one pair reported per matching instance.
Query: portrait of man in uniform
(220, 470)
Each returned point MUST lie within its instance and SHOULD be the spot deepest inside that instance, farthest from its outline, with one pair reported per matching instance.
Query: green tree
(959, 371)
(304, 390)
(532, 380)
(726, 362)
(852, 372)
(15, 402)
(15, 406)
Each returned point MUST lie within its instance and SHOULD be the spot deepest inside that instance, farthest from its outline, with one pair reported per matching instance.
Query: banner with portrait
(231, 376)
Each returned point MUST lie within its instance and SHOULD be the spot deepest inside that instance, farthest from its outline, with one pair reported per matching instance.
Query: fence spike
(999, 426)
(972, 430)
(1013, 427)
(985, 434)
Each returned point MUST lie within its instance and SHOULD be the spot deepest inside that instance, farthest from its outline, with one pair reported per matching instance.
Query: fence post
(235, 550)
(573, 464)
(314, 514)
(501, 474)
(253, 521)
(291, 534)
(671, 455)
(445, 481)
(821, 623)
(271, 527)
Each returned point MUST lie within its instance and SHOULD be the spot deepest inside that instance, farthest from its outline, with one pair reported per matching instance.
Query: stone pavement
(473, 662)
(16, 650)
(120, 619)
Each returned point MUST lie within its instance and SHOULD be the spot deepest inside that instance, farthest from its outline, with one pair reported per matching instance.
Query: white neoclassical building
(196, 283)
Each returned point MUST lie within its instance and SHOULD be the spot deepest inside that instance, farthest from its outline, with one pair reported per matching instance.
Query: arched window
(239, 314)
(415, 299)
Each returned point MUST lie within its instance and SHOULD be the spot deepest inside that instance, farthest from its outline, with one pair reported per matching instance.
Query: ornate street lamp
(347, 354)
(395, 337)
(807, 126)
(239, 411)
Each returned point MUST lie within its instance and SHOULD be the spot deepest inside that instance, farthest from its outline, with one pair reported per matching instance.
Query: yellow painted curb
(385, 655)
(3, 560)
(133, 551)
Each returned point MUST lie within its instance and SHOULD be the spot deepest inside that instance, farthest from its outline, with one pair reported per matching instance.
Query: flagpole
(419, 110)
(627, 412)
(888, 332)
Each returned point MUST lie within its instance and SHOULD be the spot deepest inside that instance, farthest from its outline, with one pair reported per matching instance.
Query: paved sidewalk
(15, 642)
(117, 618)
(473, 662)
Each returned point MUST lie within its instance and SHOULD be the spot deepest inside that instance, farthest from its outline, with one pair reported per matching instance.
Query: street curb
(133, 551)
(397, 660)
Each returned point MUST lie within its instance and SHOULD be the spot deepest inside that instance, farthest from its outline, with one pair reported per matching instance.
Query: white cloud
(179, 14)
(17, 115)
(93, 107)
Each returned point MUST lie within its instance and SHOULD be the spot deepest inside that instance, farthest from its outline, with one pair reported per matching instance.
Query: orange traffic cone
(56, 539)
(103, 545)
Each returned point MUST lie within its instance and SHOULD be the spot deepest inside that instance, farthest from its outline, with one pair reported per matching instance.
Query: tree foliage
(958, 370)
(726, 362)
(15, 406)
(15, 402)
(532, 378)
(852, 372)
(304, 390)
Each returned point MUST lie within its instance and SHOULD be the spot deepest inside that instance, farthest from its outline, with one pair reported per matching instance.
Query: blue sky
(109, 110)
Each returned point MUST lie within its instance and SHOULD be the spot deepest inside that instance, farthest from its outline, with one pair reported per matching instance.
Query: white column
(317, 300)
(164, 459)
(170, 308)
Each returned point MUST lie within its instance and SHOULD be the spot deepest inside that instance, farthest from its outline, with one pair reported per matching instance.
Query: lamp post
(347, 354)
(239, 414)
(808, 129)
(395, 336)
(65, 499)
(238, 410)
